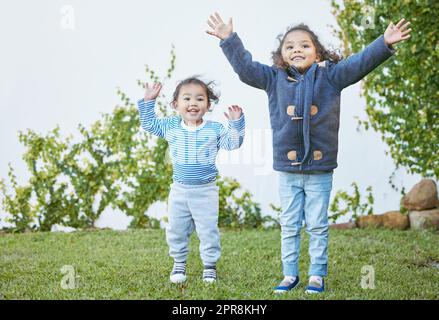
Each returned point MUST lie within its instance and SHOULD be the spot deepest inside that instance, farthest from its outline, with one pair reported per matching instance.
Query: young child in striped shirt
(194, 143)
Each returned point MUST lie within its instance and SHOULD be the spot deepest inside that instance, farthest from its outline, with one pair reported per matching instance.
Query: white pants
(193, 207)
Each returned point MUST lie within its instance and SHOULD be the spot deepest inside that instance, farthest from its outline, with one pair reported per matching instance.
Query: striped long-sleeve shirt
(193, 150)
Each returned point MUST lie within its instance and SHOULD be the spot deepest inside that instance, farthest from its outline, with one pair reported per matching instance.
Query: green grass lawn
(135, 264)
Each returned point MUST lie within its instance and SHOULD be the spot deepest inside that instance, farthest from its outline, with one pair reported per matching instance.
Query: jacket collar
(293, 72)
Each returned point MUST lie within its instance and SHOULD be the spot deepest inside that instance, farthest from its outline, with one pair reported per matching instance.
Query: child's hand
(152, 92)
(398, 33)
(234, 113)
(220, 29)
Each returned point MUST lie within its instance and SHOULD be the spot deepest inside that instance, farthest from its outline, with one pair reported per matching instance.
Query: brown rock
(343, 226)
(422, 196)
(395, 220)
(428, 219)
(370, 221)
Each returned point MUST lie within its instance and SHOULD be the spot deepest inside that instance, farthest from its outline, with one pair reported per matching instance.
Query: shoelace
(209, 273)
(179, 268)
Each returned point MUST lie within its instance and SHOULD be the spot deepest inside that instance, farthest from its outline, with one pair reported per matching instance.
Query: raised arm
(250, 72)
(231, 138)
(357, 66)
(148, 118)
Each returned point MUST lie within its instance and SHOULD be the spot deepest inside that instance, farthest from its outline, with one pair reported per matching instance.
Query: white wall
(51, 74)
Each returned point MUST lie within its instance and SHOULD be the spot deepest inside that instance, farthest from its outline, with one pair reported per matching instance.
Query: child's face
(192, 103)
(298, 50)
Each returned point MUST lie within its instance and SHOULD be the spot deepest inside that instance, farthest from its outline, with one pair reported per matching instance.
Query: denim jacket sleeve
(357, 66)
(250, 72)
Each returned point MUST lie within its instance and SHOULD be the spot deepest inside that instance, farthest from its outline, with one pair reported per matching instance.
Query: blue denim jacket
(304, 109)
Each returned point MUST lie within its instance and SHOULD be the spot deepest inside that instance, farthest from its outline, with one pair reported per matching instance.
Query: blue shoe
(315, 287)
(286, 285)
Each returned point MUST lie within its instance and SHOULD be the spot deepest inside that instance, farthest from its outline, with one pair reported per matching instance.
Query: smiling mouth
(295, 59)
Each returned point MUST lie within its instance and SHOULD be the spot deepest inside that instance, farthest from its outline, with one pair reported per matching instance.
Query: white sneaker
(178, 274)
(177, 278)
(209, 274)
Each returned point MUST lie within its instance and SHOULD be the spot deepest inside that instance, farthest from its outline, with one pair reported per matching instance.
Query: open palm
(397, 33)
(219, 28)
(151, 92)
(234, 112)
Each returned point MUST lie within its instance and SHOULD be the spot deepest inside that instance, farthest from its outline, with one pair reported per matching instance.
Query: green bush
(402, 94)
(114, 163)
(21, 213)
(353, 204)
(240, 212)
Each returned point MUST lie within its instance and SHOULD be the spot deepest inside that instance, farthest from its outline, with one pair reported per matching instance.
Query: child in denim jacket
(304, 86)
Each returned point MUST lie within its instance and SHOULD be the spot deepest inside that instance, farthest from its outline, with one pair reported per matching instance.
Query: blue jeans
(193, 207)
(304, 197)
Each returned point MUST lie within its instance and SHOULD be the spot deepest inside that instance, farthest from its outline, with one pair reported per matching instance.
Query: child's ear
(174, 104)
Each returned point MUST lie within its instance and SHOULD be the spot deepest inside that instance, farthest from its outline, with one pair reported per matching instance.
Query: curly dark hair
(322, 52)
(211, 94)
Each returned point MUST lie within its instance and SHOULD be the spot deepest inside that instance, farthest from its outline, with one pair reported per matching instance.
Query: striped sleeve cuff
(238, 124)
(148, 103)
